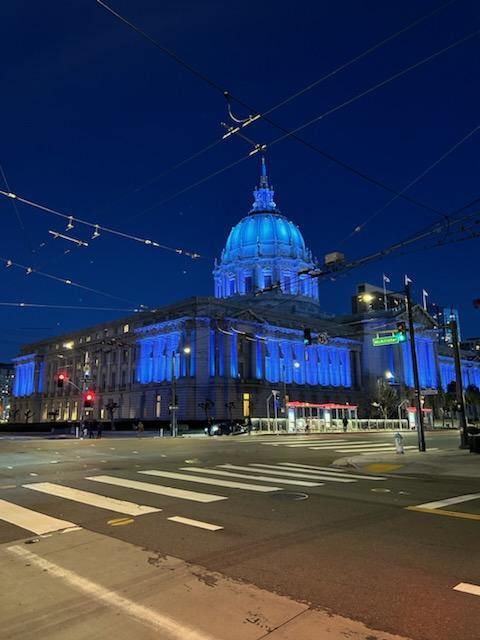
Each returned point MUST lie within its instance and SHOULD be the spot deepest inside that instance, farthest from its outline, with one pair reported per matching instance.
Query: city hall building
(262, 332)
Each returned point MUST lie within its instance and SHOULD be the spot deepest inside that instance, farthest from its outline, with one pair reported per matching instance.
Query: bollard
(399, 443)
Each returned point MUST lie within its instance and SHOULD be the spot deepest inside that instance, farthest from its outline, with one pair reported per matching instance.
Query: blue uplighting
(24, 376)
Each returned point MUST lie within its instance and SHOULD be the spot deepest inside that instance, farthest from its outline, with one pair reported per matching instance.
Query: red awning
(329, 405)
(414, 410)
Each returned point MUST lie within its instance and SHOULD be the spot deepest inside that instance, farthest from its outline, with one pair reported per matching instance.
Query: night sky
(90, 112)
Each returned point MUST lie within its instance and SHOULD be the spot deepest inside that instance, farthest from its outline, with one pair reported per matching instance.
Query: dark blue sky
(89, 111)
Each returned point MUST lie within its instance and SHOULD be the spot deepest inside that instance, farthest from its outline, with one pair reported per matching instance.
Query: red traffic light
(88, 398)
(61, 378)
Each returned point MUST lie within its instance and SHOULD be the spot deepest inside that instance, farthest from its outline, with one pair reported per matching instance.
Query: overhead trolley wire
(30, 270)
(323, 115)
(219, 88)
(98, 227)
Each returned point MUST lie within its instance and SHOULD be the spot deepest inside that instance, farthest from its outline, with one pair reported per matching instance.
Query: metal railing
(316, 425)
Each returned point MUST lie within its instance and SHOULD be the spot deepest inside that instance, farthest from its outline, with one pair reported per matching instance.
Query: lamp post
(174, 406)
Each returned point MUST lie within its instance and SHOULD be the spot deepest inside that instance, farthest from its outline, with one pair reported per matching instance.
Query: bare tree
(386, 399)
(206, 406)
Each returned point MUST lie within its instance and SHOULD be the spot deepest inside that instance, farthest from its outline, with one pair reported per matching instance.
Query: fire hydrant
(399, 443)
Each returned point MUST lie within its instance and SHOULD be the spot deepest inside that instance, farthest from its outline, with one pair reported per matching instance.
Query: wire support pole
(459, 386)
(416, 379)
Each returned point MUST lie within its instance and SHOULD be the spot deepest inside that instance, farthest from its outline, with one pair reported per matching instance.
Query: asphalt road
(344, 541)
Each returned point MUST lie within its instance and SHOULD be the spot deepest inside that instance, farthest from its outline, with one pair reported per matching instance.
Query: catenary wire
(67, 307)
(415, 180)
(323, 115)
(29, 270)
(311, 146)
(98, 227)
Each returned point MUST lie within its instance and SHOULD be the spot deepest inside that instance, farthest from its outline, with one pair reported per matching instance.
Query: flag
(424, 296)
(386, 278)
(407, 280)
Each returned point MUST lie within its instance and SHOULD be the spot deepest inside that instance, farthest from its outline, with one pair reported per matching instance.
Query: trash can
(474, 441)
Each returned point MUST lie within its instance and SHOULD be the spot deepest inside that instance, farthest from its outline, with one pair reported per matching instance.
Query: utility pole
(459, 385)
(416, 379)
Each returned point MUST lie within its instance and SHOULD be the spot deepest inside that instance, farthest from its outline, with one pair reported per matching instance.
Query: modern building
(370, 297)
(262, 332)
(471, 344)
(7, 375)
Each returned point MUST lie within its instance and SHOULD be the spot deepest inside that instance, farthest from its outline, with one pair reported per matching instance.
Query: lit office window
(246, 405)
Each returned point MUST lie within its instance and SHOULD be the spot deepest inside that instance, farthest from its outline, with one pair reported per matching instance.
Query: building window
(246, 405)
(231, 286)
(113, 380)
(126, 328)
(158, 405)
(267, 280)
(124, 379)
(287, 284)
(248, 284)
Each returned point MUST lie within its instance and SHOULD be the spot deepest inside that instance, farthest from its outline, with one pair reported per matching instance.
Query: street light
(296, 365)
(173, 407)
(389, 375)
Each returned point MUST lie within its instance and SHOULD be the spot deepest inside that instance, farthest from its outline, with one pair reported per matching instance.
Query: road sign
(383, 341)
(173, 407)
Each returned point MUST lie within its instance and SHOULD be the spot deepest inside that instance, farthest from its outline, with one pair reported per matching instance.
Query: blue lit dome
(265, 250)
(262, 235)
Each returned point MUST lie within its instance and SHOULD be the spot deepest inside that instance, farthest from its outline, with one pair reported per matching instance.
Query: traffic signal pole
(416, 379)
(459, 385)
(173, 410)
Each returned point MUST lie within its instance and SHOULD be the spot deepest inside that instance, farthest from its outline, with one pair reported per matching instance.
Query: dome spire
(264, 177)
(263, 194)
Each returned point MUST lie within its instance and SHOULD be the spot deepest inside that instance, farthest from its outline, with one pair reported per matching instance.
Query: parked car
(225, 428)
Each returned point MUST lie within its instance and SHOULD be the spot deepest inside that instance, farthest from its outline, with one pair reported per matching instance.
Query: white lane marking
(31, 520)
(195, 523)
(230, 474)
(173, 492)
(466, 587)
(354, 444)
(144, 615)
(331, 471)
(445, 503)
(319, 443)
(92, 499)
(217, 483)
(276, 472)
(372, 449)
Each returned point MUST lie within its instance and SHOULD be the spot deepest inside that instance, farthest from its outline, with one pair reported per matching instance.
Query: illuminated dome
(265, 235)
(264, 250)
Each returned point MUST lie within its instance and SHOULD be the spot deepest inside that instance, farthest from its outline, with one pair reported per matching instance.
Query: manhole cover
(290, 495)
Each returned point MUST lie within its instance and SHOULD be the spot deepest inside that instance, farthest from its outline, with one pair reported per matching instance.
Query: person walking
(140, 429)
(99, 430)
(90, 428)
(345, 424)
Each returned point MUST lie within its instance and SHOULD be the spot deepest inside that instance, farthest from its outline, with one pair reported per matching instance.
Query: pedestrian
(99, 430)
(140, 429)
(248, 425)
(90, 427)
(345, 423)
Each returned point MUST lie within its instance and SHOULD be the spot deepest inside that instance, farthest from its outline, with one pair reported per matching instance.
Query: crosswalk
(343, 445)
(227, 478)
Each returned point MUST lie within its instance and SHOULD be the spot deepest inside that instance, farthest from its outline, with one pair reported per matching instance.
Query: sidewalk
(446, 462)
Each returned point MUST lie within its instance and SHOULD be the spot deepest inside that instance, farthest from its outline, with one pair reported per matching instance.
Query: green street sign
(385, 340)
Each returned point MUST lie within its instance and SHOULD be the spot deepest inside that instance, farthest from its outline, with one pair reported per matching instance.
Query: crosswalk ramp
(340, 445)
(193, 485)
